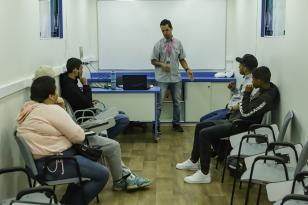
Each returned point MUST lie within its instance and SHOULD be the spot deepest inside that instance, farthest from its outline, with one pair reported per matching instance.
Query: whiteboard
(128, 30)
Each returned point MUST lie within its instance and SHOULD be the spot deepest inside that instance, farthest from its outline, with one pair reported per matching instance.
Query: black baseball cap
(248, 60)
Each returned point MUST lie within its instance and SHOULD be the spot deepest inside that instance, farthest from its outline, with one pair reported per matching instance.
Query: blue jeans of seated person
(121, 122)
(215, 115)
(97, 174)
(176, 92)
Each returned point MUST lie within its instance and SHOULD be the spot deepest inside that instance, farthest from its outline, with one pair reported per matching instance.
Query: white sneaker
(188, 165)
(198, 178)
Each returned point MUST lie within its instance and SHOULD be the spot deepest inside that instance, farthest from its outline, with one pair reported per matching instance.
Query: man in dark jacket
(251, 111)
(82, 98)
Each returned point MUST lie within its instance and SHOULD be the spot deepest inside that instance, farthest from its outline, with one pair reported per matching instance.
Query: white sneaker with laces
(198, 178)
(188, 165)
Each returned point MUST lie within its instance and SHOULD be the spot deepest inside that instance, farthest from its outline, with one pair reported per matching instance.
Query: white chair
(38, 195)
(293, 199)
(271, 131)
(97, 121)
(278, 164)
(279, 191)
(256, 143)
(15, 202)
(33, 172)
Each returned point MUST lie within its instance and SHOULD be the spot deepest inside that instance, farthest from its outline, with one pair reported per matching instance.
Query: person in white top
(247, 64)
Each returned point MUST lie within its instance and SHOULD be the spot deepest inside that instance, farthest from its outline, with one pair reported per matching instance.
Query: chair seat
(236, 139)
(249, 149)
(34, 197)
(74, 180)
(268, 172)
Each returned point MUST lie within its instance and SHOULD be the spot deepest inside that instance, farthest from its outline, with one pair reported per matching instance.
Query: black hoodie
(253, 108)
(78, 98)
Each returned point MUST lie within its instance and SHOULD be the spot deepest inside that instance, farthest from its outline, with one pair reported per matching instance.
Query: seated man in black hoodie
(80, 99)
(251, 110)
(123, 177)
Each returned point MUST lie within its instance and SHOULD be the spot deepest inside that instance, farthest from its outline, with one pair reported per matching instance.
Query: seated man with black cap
(247, 64)
(251, 111)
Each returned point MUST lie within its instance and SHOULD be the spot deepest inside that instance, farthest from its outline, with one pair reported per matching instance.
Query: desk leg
(156, 134)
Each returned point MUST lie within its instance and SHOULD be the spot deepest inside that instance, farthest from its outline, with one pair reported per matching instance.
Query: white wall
(285, 56)
(81, 24)
(22, 51)
(241, 30)
(9, 152)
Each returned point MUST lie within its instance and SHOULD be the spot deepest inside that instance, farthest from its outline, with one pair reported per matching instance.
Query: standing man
(167, 53)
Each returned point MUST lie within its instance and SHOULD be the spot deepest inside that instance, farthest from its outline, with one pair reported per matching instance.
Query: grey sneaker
(137, 182)
(130, 182)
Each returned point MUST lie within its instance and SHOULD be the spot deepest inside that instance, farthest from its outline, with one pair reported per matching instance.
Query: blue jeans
(215, 115)
(121, 121)
(97, 174)
(176, 91)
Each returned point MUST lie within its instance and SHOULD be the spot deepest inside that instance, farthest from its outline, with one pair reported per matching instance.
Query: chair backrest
(271, 134)
(69, 110)
(302, 160)
(27, 155)
(105, 118)
(292, 199)
(267, 118)
(286, 121)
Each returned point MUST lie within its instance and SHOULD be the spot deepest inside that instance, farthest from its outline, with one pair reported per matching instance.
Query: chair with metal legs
(269, 130)
(254, 144)
(33, 172)
(31, 194)
(278, 164)
(292, 190)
